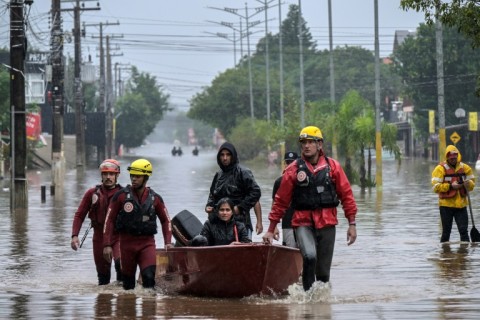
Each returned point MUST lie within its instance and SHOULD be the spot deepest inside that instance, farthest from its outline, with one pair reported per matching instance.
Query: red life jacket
(450, 177)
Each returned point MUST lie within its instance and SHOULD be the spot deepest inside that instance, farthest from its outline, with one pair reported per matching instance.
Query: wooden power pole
(57, 86)
(18, 136)
(78, 100)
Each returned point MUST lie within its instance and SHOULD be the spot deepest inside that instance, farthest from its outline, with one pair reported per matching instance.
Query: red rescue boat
(233, 271)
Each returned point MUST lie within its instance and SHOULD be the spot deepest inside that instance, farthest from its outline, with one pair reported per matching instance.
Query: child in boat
(222, 228)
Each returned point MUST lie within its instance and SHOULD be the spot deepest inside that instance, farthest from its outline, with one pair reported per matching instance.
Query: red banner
(34, 126)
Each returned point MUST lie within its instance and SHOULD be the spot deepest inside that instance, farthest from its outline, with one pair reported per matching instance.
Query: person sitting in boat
(222, 228)
(237, 183)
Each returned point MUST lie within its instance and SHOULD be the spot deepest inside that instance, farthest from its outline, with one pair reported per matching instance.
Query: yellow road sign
(455, 137)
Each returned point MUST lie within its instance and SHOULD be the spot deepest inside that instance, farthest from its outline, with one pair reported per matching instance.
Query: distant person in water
(221, 228)
(195, 151)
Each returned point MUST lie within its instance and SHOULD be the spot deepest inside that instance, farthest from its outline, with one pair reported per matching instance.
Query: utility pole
(117, 78)
(330, 39)
(116, 94)
(56, 60)
(267, 58)
(300, 51)
(78, 100)
(18, 136)
(78, 90)
(249, 25)
(442, 144)
(108, 114)
(280, 44)
(225, 36)
(250, 81)
(378, 123)
(110, 100)
(103, 101)
(332, 76)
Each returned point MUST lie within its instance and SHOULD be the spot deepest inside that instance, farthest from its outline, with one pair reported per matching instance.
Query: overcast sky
(174, 40)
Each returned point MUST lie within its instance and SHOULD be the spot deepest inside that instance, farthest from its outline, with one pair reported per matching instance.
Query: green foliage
(90, 90)
(461, 14)
(4, 99)
(290, 31)
(251, 137)
(144, 84)
(350, 125)
(140, 109)
(133, 125)
(227, 99)
(204, 133)
(91, 101)
(415, 61)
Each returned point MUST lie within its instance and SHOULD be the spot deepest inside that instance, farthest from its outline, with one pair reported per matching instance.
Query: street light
(267, 67)
(226, 37)
(249, 25)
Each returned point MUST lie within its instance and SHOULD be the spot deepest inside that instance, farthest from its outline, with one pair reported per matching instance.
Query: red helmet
(110, 165)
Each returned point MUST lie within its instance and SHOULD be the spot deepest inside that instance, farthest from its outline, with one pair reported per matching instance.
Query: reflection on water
(396, 269)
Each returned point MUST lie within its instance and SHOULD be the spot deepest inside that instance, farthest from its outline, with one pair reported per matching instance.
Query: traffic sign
(455, 137)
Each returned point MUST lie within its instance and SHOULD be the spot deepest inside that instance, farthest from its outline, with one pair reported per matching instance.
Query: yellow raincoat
(441, 185)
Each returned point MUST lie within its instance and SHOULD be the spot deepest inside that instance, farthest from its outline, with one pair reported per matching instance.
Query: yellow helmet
(140, 167)
(311, 133)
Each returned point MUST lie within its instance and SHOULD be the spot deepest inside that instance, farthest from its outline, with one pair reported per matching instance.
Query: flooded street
(397, 268)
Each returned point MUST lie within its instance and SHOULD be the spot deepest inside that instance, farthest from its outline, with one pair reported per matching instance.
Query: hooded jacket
(235, 182)
(441, 182)
(219, 232)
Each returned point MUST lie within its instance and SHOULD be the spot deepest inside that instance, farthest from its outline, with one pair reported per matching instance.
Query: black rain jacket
(235, 182)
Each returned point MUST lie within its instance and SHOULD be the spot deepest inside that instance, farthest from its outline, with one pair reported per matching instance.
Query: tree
(462, 14)
(132, 125)
(144, 84)
(290, 31)
(351, 107)
(415, 63)
(140, 109)
(225, 101)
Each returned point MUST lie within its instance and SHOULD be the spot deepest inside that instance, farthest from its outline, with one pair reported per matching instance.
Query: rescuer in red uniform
(133, 213)
(314, 185)
(94, 204)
